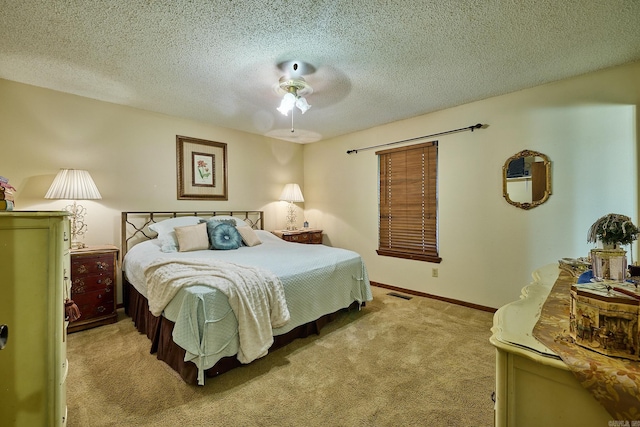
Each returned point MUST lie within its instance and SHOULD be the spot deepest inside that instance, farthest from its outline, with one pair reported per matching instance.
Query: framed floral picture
(202, 169)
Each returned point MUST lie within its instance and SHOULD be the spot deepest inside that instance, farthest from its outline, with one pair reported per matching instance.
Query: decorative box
(609, 264)
(604, 318)
(574, 266)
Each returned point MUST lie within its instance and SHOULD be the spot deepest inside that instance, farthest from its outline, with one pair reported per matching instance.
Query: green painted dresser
(34, 282)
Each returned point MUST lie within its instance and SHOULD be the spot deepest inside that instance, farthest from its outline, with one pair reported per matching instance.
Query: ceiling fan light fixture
(302, 104)
(287, 103)
(293, 89)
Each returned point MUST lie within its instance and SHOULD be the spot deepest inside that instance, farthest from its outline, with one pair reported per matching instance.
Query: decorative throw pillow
(249, 236)
(192, 237)
(224, 218)
(166, 235)
(213, 223)
(226, 237)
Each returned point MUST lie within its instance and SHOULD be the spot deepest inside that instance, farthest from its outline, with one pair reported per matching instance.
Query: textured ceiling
(375, 61)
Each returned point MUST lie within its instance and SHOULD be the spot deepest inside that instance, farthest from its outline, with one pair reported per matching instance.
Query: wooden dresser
(534, 387)
(93, 286)
(305, 235)
(34, 282)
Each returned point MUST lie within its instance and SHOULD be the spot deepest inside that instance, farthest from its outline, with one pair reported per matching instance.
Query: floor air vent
(394, 294)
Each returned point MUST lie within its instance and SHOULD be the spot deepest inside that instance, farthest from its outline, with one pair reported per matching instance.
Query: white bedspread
(255, 295)
(317, 280)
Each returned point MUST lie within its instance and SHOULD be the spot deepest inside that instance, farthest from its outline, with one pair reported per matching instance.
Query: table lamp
(74, 184)
(292, 194)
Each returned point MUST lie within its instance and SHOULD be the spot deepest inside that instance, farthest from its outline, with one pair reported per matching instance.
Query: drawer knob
(101, 309)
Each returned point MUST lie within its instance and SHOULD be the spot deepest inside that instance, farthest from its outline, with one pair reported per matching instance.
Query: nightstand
(305, 235)
(93, 286)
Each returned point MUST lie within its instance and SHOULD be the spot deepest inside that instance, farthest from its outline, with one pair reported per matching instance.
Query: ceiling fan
(293, 87)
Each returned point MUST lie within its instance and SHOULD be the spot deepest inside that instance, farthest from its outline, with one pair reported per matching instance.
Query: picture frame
(201, 169)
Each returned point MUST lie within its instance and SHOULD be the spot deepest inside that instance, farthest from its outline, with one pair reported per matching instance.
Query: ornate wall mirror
(526, 179)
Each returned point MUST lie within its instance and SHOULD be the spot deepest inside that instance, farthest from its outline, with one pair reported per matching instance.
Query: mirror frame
(547, 169)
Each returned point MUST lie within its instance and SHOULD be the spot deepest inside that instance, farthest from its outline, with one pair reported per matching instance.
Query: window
(409, 202)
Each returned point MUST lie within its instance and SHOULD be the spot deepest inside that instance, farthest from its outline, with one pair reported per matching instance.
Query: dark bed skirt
(159, 330)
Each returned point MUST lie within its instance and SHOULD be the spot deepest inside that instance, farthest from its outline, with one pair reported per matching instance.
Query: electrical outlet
(434, 272)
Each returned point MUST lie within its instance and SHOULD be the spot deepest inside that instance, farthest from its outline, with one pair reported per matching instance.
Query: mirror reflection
(527, 179)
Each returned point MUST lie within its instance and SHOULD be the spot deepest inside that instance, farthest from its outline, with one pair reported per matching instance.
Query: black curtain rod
(471, 128)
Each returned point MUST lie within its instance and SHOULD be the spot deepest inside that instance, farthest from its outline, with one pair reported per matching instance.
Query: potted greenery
(613, 230)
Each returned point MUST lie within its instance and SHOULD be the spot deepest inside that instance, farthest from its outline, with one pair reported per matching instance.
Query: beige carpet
(420, 362)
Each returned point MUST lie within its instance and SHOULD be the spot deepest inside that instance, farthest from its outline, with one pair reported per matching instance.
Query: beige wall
(588, 126)
(131, 155)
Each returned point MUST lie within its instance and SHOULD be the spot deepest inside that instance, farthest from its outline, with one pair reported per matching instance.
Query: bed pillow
(167, 225)
(166, 235)
(192, 237)
(249, 236)
(225, 237)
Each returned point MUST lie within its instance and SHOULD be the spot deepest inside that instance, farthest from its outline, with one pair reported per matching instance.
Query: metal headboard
(135, 225)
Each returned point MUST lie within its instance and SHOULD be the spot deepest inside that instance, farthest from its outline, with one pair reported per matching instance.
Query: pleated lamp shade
(292, 193)
(73, 184)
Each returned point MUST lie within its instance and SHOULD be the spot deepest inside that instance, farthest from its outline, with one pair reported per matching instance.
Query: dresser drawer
(91, 282)
(298, 238)
(92, 264)
(94, 304)
(308, 236)
(315, 238)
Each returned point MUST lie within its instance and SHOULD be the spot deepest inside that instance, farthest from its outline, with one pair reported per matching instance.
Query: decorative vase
(609, 264)
(610, 246)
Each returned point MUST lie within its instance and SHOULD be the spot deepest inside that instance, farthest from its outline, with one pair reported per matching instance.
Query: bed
(195, 329)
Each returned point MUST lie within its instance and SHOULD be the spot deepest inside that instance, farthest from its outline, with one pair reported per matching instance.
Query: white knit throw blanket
(255, 295)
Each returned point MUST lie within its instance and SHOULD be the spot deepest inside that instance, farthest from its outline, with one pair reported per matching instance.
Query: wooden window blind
(408, 226)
